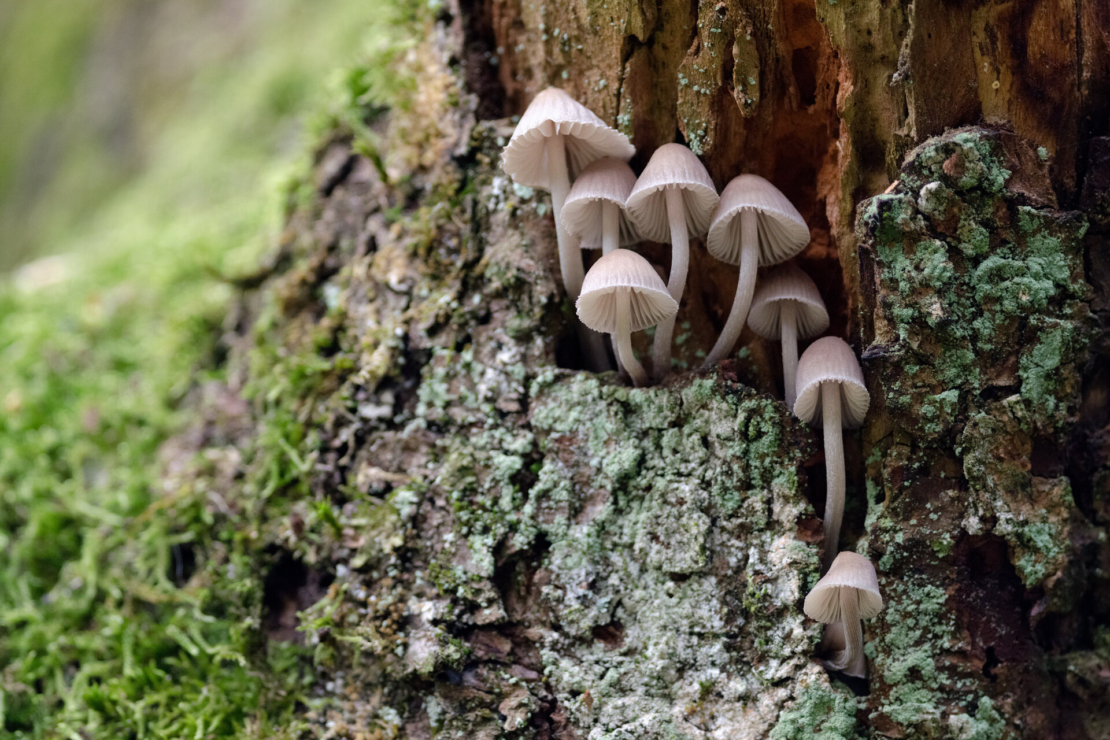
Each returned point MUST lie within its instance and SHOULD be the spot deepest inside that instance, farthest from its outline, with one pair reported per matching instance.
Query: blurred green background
(147, 146)
(112, 110)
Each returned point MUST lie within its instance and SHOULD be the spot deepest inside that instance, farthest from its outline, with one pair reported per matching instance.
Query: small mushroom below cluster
(848, 593)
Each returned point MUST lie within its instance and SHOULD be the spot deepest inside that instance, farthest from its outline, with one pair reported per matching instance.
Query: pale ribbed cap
(831, 360)
(787, 283)
(782, 230)
(623, 270)
(849, 572)
(607, 180)
(551, 113)
(672, 166)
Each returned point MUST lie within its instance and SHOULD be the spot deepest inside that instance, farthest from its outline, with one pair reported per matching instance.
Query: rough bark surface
(525, 550)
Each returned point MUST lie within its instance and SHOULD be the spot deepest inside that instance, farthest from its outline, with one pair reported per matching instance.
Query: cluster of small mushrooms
(751, 224)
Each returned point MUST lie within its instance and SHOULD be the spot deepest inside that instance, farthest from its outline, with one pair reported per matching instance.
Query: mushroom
(595, 207)
(833, 641)
(673, 199)
(556, 138)
(595, 211)
(754, 225)
(787, 307)
(830, 386)
(621, 294)
(848, 593)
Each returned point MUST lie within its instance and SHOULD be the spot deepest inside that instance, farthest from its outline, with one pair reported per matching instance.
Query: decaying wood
(546, 554)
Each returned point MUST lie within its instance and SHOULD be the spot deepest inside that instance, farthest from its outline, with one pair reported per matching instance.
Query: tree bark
(522, 549)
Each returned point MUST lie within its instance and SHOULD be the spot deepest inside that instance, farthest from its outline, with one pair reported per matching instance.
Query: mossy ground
(112, 621)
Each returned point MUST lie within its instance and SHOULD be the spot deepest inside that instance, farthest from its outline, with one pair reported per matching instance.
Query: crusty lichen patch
(978, 334)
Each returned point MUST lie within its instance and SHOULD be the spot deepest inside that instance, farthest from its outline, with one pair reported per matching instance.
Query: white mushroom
(787, 306)
(754, 225)
(595, 211)
(672, 201)
(621, 294)
(830, 386)
(595, 208)
(848, 593)
(557, 137)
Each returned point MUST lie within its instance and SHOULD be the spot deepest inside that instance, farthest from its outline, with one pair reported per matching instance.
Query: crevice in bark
(480, 59)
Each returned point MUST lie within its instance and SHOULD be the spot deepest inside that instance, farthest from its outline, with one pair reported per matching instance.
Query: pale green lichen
(818, 713)
(986, 724)
(974, 287)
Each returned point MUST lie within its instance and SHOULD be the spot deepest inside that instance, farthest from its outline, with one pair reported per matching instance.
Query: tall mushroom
(595, 207)
(787, 306)
(622, 294)
(848, 593)
(673, 199)
(755, 225)
(556, 138)
(830, 385)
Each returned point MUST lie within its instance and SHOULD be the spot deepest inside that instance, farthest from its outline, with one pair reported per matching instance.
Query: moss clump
(132, 576)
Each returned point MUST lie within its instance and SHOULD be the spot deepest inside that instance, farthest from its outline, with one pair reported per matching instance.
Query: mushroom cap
(787, 283)
(852, 575)
(782, 230)
(831, 360)
(672, 166)
(605, 180)
(554, 113)
(624, 270)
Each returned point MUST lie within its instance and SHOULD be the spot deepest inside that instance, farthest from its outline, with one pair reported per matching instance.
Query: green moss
(131, 598)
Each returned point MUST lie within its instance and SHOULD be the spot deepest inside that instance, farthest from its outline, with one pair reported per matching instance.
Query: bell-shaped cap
(672, 166)
(782, 230)
(851, 575)
(554, 113)
(787, 283)
(606, 180)
(622, 271)
(831, 360)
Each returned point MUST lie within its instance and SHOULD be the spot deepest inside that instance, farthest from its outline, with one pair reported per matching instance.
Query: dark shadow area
(289, 587)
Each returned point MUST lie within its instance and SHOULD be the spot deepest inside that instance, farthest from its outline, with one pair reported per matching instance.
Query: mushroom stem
(680, 264)
(788, 319)
(623, 336)
(834, 468)
(853, 633)
(610, 238)
(610, 227)
(570, 254)
(745, 287)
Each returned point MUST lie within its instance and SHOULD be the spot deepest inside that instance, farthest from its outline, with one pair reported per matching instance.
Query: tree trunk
(522, 549)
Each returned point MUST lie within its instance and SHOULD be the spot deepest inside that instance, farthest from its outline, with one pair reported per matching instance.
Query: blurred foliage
(129, 609)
